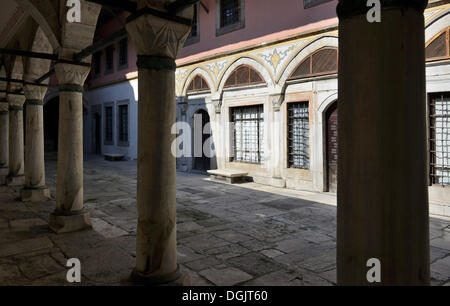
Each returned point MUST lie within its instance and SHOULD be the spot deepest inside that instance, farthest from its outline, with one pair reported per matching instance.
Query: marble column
(277, 130)
(4, 139)
(70, 214)
(157, 43)
(35, 188)
(16, 176)
(382, 177)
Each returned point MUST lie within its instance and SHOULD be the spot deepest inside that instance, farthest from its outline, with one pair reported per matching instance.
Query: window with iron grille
(108, 125)
(123, 125)
(123, 53)
(440, 139)
(109, 59)
(298, 135)
(230, 12)
(97, 63)
(248, 133)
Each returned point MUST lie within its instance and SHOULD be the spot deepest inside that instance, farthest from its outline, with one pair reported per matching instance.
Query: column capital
(4, 106)
(349, 8)
(156, 36)
(16, 100)
(217, 105)
(276, 100)
(72, 75)
(33, 92)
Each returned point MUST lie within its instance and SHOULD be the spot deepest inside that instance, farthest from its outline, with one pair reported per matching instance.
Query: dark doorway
(51, 116)
(203, 163)
(332, 146)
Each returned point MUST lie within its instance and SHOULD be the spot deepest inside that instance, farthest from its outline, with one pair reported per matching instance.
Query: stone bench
(230, 176)
(113, 157)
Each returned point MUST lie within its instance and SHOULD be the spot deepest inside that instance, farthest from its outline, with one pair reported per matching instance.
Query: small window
(248, 133)
(198, 84)
(298, 135)
(123, 53)
(322, 62)
(109, 59)
(243, 76)
(97, 63)
(439, 47)
(109, 125)
(123, 125)
(440, 139)
(194, 29)
(230, 16)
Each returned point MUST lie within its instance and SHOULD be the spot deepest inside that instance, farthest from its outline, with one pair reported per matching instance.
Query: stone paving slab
(246, 234)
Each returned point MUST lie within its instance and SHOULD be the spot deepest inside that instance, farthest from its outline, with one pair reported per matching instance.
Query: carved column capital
(69, 74)
(33, 92)
(217, 105)
(276, 100)
(154, 36)
(3, 106)
(16, 100)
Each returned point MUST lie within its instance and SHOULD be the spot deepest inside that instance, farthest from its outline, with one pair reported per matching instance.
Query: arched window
(198, 83)
(323, 61)
(438, 47)
(242, 76)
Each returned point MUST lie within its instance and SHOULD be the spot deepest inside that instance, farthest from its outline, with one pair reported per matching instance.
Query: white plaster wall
(115, 93)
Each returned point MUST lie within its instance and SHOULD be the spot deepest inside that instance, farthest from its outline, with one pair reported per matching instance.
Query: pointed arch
(327, 41)
(253, 64)
(197, 72)
(438, 47)
(321, 62)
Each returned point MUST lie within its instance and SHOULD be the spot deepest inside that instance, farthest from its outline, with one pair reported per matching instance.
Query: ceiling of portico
(11, 18)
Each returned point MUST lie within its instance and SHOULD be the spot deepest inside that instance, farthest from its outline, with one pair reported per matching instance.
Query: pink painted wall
(262, 18)
(265, 20)
(101, 79)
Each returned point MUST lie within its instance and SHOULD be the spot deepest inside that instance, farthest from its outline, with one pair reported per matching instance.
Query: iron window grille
(248, 134)
(440, 140)
(298, 135)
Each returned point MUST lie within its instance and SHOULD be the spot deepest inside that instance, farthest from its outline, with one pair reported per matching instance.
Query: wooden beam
(121, 4)
(22, 53)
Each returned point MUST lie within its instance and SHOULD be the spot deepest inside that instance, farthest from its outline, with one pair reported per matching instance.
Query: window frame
(231, 27)
(97, 61)
(109, 70)
(106, 141)
(121, 66)
(197, 91)
(260, 129)
(194, 39)
(447, 41)
(288, 141)
(120, 142)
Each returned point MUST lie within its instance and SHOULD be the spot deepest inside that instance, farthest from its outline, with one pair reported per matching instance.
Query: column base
(66, 222)
(278, 182)
(29, 194)
(16, 180)
(177, 278)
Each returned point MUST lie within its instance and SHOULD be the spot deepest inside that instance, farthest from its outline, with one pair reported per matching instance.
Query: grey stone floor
(245, 234)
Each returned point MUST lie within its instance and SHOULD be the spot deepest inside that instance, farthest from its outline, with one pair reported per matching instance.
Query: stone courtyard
(244, 234)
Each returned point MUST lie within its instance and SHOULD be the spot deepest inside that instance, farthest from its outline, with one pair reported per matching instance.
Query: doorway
(332, 146)
(202, 163)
